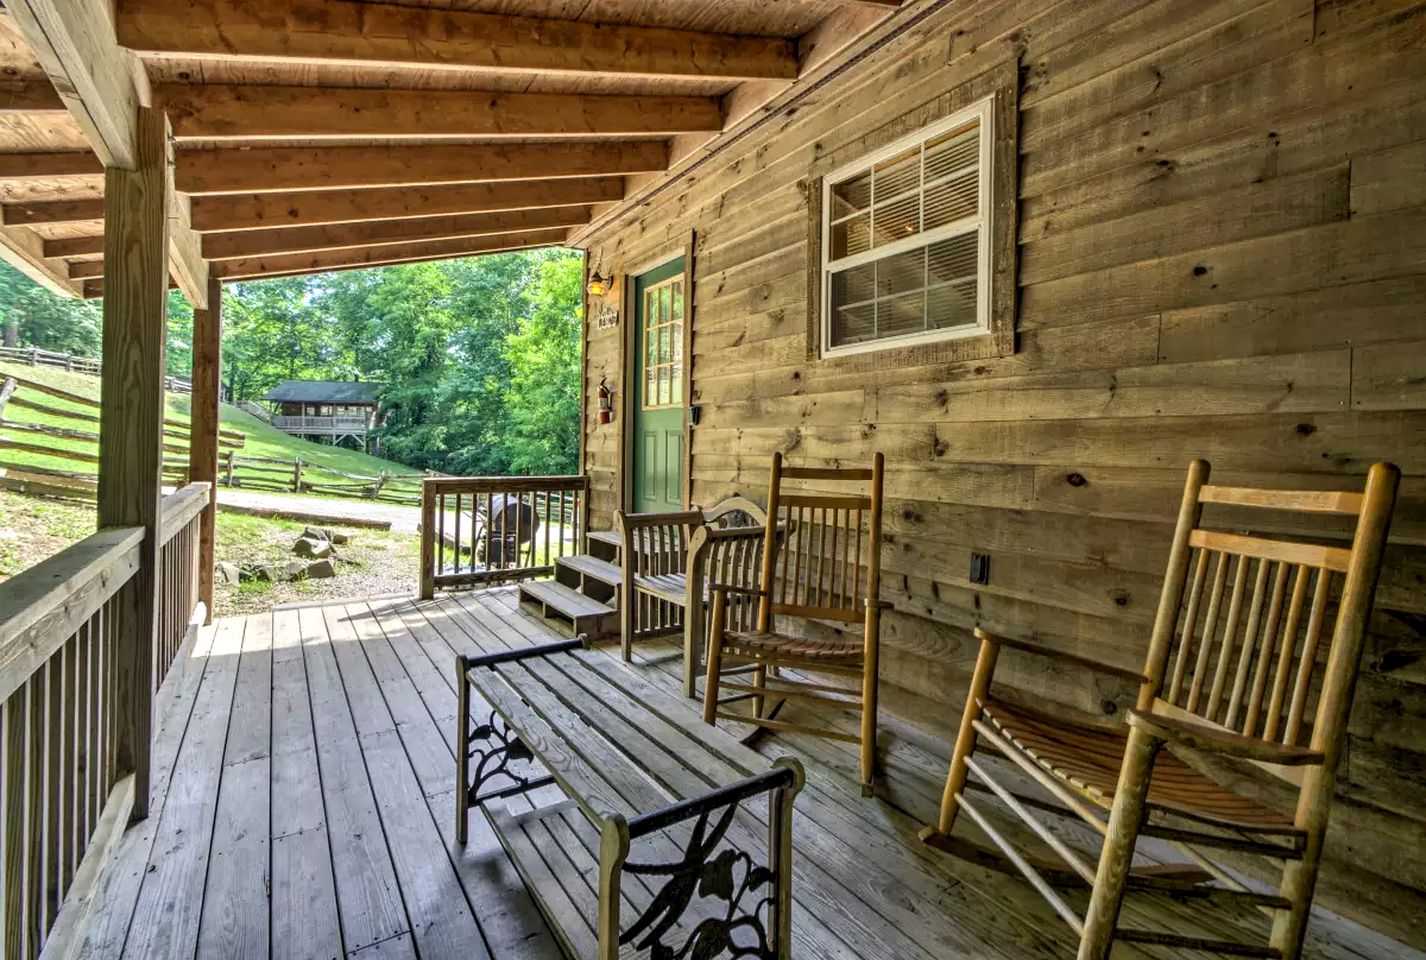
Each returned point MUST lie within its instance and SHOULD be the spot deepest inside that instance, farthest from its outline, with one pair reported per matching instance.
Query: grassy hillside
(262, 440)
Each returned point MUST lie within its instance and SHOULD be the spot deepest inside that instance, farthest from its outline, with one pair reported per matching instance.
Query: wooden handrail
(500, 484)
(41, 607)
(180, 507)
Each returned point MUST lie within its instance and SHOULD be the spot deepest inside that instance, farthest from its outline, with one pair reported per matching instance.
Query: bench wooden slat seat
(670, 587)
(1087, 760)
(615, 862)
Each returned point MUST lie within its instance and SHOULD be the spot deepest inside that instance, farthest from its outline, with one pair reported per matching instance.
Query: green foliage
(46, 320)
(479, 357)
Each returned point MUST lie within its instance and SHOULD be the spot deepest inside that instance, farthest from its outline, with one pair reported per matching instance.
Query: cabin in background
(334, 410)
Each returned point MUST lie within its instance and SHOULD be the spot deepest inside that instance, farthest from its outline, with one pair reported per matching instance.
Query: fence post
(428, 542)
(34, 356)
(297, 475)
(228, 480)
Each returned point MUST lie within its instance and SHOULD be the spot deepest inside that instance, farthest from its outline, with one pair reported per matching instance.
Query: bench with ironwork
(655, 847)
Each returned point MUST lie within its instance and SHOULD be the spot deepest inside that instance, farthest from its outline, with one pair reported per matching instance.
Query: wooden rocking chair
(1229, 673)
(812, 572)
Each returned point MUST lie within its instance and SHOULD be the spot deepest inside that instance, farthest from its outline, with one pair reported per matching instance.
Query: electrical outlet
(980, 568)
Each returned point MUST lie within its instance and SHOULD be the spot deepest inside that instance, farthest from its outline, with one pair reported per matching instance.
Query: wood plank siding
(1221, 253)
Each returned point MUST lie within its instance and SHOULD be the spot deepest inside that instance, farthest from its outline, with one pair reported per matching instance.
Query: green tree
(544, 354)
(46, 320)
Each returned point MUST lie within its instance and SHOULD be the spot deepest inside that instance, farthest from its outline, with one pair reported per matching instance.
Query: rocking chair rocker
(1229, 672)
(822, 557)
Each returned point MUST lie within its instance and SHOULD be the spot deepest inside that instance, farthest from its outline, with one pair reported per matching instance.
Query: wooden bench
(654, 849)
(668, 561)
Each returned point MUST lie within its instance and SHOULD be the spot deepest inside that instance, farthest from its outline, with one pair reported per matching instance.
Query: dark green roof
(324, 391)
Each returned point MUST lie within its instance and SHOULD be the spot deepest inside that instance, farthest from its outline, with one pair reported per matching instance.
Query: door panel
(658, 370)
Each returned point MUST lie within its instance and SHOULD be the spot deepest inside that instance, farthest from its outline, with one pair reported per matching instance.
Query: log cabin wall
(1222, 253)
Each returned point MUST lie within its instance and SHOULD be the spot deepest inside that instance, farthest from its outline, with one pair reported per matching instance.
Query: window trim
(982, 111)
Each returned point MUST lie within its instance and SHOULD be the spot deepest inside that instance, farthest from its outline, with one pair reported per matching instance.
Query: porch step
(562, 603)
(608, 538)
(593, 568)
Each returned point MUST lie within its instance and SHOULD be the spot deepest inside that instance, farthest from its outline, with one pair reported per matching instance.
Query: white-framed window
(906, 239)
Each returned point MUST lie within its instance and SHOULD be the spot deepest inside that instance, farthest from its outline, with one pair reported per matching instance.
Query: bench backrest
(1237, 642)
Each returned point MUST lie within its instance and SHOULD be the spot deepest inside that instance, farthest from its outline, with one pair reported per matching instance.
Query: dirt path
(402, 519)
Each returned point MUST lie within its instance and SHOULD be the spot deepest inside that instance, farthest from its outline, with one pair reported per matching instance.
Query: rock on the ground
(312, 547)
(282, 572)
(225, 572)
(321, 570)
(335, 537)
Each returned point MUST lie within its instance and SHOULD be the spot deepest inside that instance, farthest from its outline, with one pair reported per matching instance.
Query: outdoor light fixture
(598, 286)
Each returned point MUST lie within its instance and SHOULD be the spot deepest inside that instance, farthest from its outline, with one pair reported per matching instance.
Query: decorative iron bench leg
(757, 898)
(504, 746)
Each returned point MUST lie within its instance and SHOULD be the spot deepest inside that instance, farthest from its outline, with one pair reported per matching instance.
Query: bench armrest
(726, 588)
(1097, 666)
(1214, 739)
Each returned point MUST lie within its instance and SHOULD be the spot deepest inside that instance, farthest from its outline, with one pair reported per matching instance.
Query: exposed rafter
(67, 163)
(277, 112)
(251, 243)
(323, 168)
(29, 95)
(299, 263)
(346, 31)
(104, 86)
(51, 211)
(263, 210)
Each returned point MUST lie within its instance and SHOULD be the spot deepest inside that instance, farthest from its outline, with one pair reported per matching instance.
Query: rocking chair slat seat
(1087, 759)
(767, 643)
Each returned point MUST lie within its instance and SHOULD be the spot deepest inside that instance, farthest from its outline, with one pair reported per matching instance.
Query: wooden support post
(203, 438)
(232, 455)
(297, 475)
(131, 422)
(428, 541)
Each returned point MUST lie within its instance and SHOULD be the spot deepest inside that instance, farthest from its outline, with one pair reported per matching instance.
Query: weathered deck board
(304, 805)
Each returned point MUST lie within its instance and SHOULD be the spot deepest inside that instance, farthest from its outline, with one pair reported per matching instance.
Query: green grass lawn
(373, 563)
(261, 439)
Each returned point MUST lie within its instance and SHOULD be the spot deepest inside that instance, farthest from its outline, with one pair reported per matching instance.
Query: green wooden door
(657, 427)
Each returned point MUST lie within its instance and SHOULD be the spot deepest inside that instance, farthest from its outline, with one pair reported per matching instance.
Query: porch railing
(482, 530)
(350, 423)
(63, 799)
(179, 609)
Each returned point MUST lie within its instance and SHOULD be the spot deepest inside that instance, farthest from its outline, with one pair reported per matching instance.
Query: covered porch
(304, 807)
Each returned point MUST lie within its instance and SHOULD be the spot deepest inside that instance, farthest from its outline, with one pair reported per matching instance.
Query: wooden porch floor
(304, 808)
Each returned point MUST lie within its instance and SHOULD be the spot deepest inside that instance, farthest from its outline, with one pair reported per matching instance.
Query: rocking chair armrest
(1214, 739)
(1024, 646)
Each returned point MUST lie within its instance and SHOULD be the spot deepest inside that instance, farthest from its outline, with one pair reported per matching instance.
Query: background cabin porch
(336, 410)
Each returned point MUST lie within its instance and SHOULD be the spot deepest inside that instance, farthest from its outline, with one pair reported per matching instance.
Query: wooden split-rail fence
(33, 425)
(36, 357)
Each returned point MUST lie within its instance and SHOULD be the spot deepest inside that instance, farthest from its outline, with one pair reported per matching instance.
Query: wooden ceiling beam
(345, 31)
(251, 243)
(29, 95)
(94, 289)
(67, 163)
(51, 211)
(265, 112)
(303, 208)
(103, 86)
(327, 168)
(322, 261)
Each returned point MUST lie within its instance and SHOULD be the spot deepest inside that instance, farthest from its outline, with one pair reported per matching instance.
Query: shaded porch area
(303, 806)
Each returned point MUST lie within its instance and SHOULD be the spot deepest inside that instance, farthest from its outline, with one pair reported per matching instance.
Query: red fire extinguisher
(606, 402)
